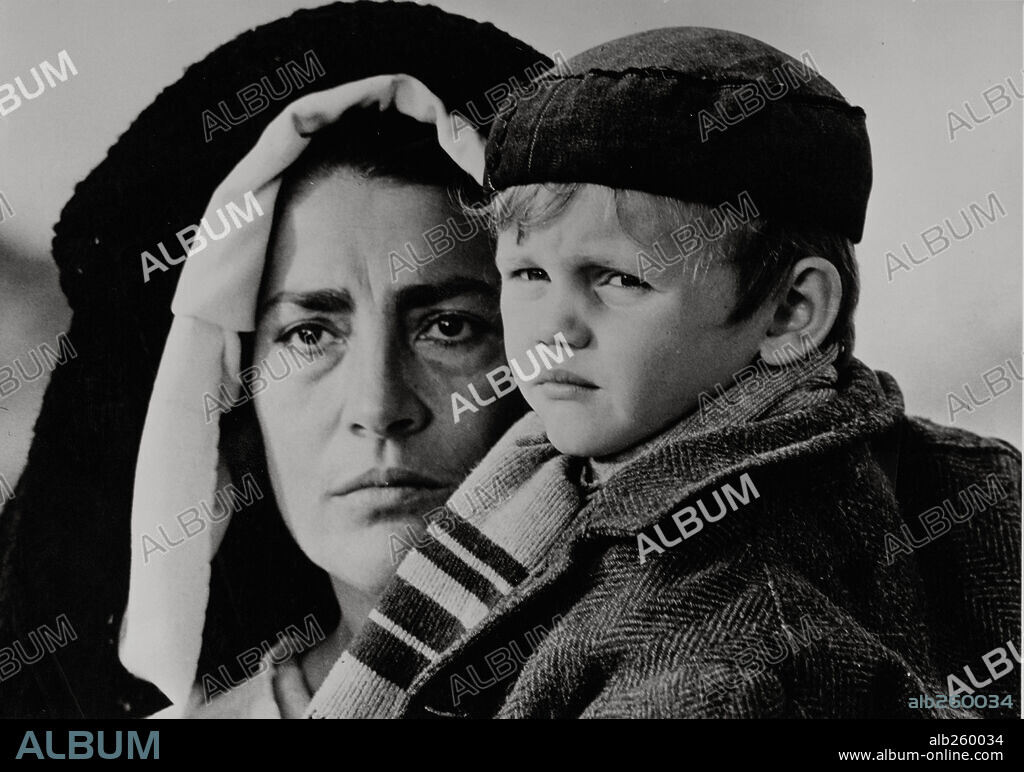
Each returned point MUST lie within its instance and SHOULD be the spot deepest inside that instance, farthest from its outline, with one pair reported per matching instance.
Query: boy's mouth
(561, 384)
(563, 376)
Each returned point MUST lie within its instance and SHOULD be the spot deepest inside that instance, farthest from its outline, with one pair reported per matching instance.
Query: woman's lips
(385, 494)
(392, 479)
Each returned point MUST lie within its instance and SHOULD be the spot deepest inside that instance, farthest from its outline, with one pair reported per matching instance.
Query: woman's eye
(627, 281)
(450, 330)
(529, 274)
(308, 335)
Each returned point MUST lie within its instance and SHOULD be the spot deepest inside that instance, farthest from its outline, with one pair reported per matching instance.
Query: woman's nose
(380, 401)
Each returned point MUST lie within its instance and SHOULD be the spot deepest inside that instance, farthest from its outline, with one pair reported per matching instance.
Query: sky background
(908, 64)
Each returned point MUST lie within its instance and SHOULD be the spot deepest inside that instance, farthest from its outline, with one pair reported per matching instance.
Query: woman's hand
(290, 691)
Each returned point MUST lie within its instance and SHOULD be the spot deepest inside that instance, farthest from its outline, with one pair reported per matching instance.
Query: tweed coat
(817, 597)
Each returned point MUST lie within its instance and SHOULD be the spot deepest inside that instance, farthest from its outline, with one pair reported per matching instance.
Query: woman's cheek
(461, 365)
(292, 412)
(484, 368)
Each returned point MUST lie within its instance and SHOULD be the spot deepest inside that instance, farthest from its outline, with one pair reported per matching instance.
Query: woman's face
(361, 443)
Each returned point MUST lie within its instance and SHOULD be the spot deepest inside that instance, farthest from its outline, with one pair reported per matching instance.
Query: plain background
(906, 63)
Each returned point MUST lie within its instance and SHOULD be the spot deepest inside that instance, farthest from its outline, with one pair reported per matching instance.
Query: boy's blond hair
(762, 250)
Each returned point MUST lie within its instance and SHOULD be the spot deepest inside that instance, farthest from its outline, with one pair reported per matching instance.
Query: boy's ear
(806, 309)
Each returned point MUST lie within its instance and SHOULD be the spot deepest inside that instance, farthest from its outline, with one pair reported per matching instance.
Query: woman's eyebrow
(325, 301)
(420, 295)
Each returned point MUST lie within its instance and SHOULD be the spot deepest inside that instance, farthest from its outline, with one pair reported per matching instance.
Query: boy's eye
(627, 281)
(529, 274)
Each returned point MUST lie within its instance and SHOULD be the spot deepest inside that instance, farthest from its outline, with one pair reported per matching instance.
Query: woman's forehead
(372, 237)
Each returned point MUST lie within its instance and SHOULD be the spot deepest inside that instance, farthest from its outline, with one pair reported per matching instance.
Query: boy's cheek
(657, 381)
(516, 336)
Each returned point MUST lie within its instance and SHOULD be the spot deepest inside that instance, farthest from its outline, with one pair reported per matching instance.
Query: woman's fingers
(290, 690)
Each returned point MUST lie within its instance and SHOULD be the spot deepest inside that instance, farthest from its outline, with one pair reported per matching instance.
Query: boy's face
(642, 352)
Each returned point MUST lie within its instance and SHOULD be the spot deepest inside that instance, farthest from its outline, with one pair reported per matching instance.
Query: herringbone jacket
(793, 604)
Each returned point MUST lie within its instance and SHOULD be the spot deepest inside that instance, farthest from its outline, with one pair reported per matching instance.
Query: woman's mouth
(392, 478)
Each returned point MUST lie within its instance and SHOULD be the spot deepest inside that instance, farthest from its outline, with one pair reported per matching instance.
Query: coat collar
(643, 492)
(650, 487)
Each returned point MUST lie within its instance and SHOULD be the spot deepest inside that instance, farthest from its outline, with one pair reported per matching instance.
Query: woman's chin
(365, 556)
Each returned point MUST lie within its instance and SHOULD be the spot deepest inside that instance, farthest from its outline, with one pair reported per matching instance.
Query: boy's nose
(562, 314)
(379, 401)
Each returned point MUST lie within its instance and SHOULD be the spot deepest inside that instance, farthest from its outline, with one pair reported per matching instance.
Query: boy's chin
(577, 441)
(579, 438)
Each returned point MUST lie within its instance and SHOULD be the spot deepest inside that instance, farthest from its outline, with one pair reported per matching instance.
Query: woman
(359, 443)
(373, 410)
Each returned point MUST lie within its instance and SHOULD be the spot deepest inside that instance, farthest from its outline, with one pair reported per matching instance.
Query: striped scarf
(447, 587)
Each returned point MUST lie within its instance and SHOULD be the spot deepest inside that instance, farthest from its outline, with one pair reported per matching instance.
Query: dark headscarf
(64, 540)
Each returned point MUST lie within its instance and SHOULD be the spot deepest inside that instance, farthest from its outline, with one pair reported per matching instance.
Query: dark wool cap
(697, 114)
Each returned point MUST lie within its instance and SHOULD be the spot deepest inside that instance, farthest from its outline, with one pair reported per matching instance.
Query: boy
(700, 518)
